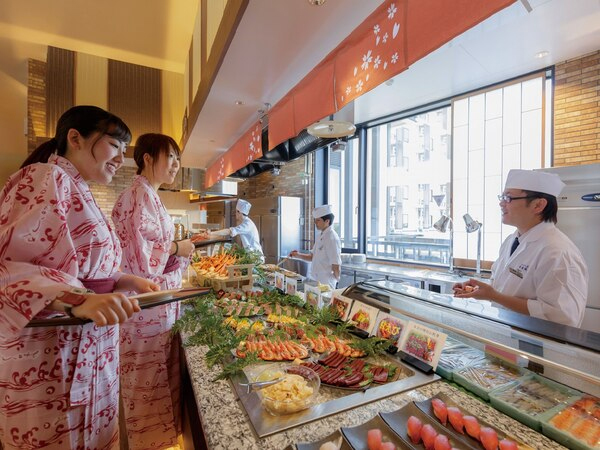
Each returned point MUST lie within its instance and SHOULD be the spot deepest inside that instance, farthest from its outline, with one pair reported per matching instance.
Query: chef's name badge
(516, 272)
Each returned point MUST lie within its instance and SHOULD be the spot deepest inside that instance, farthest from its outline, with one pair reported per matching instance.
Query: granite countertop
(227, 427)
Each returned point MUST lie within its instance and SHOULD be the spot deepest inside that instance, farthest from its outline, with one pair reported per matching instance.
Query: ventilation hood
(287, 151)
(192, 181)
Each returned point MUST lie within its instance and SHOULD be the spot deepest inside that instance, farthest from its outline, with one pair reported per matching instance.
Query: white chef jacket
(248, 234)
(548, 270)
(326, 252)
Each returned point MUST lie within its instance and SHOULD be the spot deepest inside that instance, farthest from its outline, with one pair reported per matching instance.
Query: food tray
(427, 408)
(455, 357)
(239, 276)
(492, 372)
(336, 437)
(357, 436)
(397, 421)
(568, 438)
(531, 391)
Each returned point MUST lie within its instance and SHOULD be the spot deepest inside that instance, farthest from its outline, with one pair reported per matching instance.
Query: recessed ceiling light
(542, 54)
(389, 82)
(316, 2)
(239, 102)
(212, 141)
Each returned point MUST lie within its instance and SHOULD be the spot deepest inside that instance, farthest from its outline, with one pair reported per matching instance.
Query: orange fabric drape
(314, 98)
(281, 122)
(243, 152)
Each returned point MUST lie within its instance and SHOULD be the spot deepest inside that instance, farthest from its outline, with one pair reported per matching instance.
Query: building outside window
(343, 193)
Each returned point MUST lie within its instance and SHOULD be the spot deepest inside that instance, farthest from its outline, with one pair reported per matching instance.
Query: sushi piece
(488, 438)
(428, 435)
(472, 426)
(440, 410)
(441, 442)
(414, 426)
(374, 437)
(505, 444)
(456, 419)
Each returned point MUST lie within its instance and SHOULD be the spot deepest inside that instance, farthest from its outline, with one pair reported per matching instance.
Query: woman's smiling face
(99, 157)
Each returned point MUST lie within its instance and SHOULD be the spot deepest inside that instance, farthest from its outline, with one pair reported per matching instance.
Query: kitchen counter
(227, 427)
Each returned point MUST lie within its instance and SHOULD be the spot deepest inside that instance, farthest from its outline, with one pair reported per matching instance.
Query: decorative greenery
(371, 346)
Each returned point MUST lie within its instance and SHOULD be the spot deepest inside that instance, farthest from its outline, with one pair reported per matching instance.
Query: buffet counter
(226, 425)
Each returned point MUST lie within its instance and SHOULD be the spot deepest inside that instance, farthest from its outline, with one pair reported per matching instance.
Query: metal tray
(265, 424)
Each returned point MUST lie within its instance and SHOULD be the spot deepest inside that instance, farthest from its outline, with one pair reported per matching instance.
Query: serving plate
(397, 421)
(427, 408)
(336, 437)
(357, 436)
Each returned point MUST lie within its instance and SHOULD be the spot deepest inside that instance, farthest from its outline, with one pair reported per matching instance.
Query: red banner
(243, 152)
(314, 97)
(281, 122)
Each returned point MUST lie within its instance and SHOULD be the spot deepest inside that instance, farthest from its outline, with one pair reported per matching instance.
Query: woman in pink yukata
(59, 385)
(149, 352)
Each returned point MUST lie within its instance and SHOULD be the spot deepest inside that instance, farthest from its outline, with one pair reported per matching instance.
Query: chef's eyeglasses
(507, 198)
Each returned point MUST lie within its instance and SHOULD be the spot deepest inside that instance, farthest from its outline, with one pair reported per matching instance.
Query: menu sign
(312, 295)
(363, 316)
(389, 327)
(341, 304)
(279, 281)
(423, 343)
(291, 285)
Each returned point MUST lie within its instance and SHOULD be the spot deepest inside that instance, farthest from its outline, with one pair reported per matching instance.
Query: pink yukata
(58, 385)
(149, 353)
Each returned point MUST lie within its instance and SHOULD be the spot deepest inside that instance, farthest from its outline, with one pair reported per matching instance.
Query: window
(400, 202)
(343, 193)
(493, 131)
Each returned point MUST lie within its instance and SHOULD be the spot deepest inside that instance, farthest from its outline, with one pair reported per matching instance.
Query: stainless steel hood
(192, 181)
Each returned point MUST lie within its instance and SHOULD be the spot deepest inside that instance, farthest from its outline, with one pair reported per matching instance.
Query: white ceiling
(279, 41)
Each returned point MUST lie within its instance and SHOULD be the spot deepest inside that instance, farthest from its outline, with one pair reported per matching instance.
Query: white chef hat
(321, 211)
(243, 206)
(534, 180)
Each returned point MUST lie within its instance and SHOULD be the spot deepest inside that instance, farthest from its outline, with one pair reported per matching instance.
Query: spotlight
(275, 171)
(338, 146)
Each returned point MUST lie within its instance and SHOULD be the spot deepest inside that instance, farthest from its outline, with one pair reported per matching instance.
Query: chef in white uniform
(539, 271)
(245, 228)
(326, 253)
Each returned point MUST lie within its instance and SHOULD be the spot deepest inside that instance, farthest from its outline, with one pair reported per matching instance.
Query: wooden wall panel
(91, 80)
(172, 104)
(134, 94)
(60, 77)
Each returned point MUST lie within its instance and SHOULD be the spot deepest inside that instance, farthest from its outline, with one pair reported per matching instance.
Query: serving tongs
(284, 259)
(258, 385)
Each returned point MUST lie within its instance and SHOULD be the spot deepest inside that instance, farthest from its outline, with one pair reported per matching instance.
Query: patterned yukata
(149, 353)
(58, 385)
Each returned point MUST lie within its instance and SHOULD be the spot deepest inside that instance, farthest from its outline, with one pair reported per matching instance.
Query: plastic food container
(298, 390)
(574, 425)
(481, 377)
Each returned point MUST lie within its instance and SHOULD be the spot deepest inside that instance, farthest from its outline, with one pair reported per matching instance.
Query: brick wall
(106, 195)
(577, 111)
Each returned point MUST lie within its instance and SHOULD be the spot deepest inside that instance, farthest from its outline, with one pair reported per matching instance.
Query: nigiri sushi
(441, 443)
(440, 410)
(456, 419)
(488, 438)
(428, 434)
(506, 444)
(414, 426)
(471, 426)
(374, 437)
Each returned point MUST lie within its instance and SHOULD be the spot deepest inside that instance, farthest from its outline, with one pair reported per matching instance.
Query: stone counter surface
(227, 427)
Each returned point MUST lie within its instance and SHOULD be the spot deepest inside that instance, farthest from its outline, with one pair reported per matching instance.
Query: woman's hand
(129, 282)
(185, 248)
(106, 309)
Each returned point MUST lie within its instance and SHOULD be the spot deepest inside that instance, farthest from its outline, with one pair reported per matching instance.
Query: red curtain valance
(395, 35)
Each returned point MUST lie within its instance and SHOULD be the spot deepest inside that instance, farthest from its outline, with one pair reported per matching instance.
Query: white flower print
(366, 60)
(385, 38)
(376, 29)
(377, 62)
(359, 86)
(394, 58)
(392, 11)
(348, 90)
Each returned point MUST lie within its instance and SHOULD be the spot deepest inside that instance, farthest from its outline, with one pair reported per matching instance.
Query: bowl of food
(297, 390)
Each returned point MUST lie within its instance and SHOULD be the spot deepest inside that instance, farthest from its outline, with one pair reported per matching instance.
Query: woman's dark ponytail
(86, 120)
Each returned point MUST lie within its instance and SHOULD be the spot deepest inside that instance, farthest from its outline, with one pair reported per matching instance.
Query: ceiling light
(331, 129)
(239, 102)
(542, 54)
(316, 2)
(338, 146)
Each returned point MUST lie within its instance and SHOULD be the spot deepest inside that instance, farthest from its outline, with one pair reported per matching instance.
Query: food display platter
(330, 401)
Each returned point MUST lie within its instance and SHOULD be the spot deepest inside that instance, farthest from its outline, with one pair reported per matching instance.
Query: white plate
(155, 296)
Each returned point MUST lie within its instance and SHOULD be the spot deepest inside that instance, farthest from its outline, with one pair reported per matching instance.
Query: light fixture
(317, 2)
(275, 171)
(331, 129)
(445, 223)
(239, 102)
(542, 54)
(471, 225)
(338, 146)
